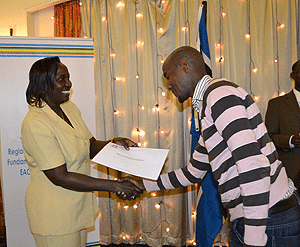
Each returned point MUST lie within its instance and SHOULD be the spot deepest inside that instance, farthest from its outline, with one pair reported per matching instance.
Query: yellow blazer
(49, 142)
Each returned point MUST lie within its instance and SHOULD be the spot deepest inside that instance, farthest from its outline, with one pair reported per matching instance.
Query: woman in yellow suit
(58, 146)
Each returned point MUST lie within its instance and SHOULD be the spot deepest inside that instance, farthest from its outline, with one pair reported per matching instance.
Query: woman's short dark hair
(42, 76)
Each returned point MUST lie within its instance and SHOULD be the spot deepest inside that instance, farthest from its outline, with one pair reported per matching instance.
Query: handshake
(128, 188)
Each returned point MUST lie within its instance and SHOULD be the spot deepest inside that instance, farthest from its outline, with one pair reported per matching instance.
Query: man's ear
(292, 75)
(185, 66)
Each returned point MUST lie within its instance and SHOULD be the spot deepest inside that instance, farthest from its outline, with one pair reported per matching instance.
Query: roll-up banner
(17, 54)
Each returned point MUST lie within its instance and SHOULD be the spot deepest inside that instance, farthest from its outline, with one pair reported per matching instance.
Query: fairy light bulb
(103, 18)
(193, 214)
(142, 107)
(157, 206)
(223, 14)
(126, 206)
(140, 237)
(247, 35)
(157, 107)
(120, 5)
(139, 144)
(139, 15)
(281, 25)
(218, 44)
(282, 93)
(139, 43)
(162, 60)
(163, 93)
(256, 98)
(52, 17)
(160, 30)
(167, 229)
(153, 194)
(80, 3)
(162, 132)
(116, 112)
(254, 70)
(184, 28)
(137, 76)
(135, 206)
(276, 60)
(221, 59)
(113, 54)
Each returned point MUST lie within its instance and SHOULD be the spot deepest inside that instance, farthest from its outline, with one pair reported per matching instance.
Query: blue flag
(209, 210)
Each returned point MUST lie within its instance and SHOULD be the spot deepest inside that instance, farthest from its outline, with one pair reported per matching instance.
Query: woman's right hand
(127, 190)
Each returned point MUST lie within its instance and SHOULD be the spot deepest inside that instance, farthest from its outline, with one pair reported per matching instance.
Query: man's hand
(296, 141)
(137, 182)
(127, 190)
(125, 142)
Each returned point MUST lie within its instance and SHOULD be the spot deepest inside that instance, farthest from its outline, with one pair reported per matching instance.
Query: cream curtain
(131, 39)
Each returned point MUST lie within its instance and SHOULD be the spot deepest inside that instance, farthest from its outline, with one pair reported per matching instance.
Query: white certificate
(141, 162)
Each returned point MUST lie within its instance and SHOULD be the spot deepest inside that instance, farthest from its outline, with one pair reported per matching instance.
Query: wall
(18, 14)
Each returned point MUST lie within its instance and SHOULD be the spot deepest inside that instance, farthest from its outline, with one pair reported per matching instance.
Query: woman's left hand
(125, 142)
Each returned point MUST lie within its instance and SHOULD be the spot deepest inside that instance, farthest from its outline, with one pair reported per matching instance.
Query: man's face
(296, 76)
(178, 81)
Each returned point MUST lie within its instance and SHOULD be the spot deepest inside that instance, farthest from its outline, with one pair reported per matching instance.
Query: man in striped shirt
(252, 182)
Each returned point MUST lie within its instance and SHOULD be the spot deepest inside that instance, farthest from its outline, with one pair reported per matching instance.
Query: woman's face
(61, 87)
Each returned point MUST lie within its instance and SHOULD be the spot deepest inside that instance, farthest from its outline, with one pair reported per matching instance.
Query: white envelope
(141, 162)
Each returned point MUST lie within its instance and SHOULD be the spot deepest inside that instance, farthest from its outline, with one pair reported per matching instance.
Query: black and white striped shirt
(235, 143)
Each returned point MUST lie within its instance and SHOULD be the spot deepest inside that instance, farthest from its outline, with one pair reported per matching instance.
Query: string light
(157, 107)
(282, 93)
(120, 5)
(184, 28)
(280, 26)
(254, 70)
(157, 206)
(103, 18)
(162, 92)
(160, 30)
(167, 229)
(223, 14)
(139, 15)
(276, 60)
(140, 43)
(247, 35)
(154, 194)
(256, 98)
